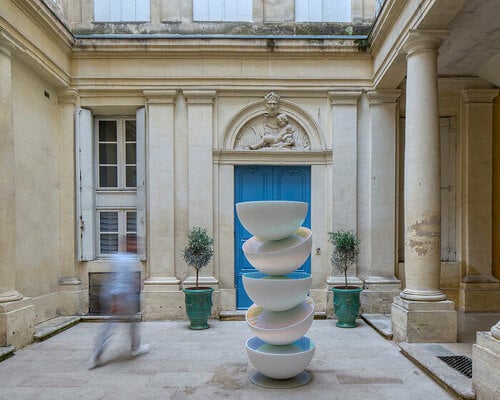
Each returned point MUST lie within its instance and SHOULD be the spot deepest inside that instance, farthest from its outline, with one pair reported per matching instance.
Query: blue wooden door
(253, 183)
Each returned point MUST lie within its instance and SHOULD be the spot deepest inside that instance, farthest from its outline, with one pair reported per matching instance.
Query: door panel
(254, 183)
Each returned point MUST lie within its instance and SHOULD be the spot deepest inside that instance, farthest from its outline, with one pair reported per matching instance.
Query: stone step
(53, 326)
(6, 352)
(380, 322)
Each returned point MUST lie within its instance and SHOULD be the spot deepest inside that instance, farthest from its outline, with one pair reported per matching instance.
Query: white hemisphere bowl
(280, 362)
(281, 327)
(279, 257)
(277, 292)
(271, 220)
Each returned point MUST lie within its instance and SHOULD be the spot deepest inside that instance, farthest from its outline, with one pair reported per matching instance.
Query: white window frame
(91, 199)
(122, 11)
(323, 10)
(223, 10)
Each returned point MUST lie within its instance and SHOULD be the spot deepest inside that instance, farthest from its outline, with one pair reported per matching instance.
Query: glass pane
(107, 154)
(131, 178)
(131, 221)
(108, 177)
(130, 131)
(131, 243)
(108, 221)
(109, 243)
(107, 131)
(130, 153)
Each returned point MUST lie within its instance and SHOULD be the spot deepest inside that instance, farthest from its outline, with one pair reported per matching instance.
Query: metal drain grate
(462, 364)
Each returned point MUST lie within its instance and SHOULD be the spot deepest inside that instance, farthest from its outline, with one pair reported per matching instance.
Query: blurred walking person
(121, 297)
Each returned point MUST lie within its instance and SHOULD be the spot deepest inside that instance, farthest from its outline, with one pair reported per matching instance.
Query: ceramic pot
(346, 305)
(198, 306)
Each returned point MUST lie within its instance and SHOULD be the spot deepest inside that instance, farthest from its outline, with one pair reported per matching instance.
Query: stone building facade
(150, 120)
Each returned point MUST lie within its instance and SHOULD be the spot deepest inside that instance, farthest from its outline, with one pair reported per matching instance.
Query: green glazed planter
(346, 305)
(198, 306)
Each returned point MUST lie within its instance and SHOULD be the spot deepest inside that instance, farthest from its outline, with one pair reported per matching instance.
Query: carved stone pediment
(272, 131)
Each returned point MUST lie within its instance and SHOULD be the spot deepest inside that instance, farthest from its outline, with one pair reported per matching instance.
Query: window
(121, 10)
(116, 183)
(323, 10)
(222, 10)
(111, 184)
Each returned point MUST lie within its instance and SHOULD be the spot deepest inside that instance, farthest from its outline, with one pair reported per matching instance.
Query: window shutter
(215, 10)
(141, 182)
(342, 11)
(301, 7)
(315, 11)
(115, 10)
(142, 12)
(128, 10)
(85, 181)
(200, 10)
(244, 10)
(101, 10)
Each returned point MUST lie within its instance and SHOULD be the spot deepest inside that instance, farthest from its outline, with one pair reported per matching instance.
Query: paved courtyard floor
(349, 364)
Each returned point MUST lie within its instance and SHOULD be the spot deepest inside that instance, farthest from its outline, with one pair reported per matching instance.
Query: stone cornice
(479, 95)
(383, 96)
(344, 97)
(233, 157)
(67, 96)
(199, 96)
(160, 96)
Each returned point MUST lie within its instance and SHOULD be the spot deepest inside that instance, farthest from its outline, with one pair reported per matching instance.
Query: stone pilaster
(486, 364)
(17, 314)
(479, 289)
(71, 293)
(382, 286)
(344, 175)
(162, 286)
(200, 171)
(422, 306)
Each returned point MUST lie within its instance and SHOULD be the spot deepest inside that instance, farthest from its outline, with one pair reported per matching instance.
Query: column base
(486, 366)
(378, 294)
(479, 294)
(423, 321)
(70, 297)
(162, 299)
(17, 323)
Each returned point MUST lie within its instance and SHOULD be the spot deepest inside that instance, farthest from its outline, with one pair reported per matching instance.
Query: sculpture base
(260, 379)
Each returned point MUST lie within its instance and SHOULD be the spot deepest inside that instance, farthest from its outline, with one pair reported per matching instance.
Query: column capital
(479, 95)
(383, 96)
(7, 46)
(344, 97)
(67, 96)
(160, 96)
(425, 39)
(200, 96)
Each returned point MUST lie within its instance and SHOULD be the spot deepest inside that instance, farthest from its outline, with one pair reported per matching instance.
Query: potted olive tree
(346, 299)
(198, 254)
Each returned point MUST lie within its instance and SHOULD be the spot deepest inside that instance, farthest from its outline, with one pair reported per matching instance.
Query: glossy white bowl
(280, 362)
(279, 257)
(277, 292)
(281, 327)
(271, 220)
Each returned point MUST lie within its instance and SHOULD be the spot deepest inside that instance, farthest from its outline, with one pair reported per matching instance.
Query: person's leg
(101, 343)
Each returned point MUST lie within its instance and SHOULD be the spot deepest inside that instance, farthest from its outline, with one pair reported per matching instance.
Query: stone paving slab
(349, 364)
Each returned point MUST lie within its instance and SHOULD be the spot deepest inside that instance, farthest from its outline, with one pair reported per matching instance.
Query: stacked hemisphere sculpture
(282, 312)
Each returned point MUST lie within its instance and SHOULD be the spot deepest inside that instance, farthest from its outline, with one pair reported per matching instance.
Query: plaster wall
(37, 188)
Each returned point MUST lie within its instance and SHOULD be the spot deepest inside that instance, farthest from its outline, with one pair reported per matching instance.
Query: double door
(255, 183)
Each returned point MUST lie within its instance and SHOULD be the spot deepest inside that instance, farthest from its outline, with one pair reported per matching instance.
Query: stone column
(162, 287)
(479, 289)
(486, 364)
(200, 204)
(71, 294)
(422, 313)
(17, 314)
(382, 286)
(344, 175)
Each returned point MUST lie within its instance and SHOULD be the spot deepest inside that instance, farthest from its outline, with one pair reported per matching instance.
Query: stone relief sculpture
(272, 130)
